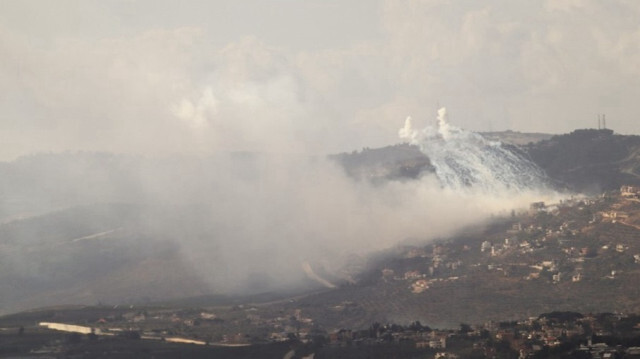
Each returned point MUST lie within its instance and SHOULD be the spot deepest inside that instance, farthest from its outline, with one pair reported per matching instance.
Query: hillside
(89, 254)
(589, 160)
(578, 255)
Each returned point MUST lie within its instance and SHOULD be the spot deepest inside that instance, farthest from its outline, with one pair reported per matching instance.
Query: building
(420, 286)
(630, 191)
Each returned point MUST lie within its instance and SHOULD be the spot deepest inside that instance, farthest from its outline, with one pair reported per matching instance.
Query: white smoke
(195, 113)
(465, 160)
(262, 216)
(283, 211)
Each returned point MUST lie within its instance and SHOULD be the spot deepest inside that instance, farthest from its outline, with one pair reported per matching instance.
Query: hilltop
(516, 138)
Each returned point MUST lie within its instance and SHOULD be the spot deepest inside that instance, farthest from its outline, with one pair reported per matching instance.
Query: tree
(465, 328)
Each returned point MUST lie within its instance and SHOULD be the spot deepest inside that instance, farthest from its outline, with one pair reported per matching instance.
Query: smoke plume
(465, 160)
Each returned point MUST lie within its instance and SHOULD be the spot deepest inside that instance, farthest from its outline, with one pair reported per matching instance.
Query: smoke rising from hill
(463, 159)
(259, 218)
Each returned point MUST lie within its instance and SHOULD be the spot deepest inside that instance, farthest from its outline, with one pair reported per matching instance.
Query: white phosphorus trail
(464, 159)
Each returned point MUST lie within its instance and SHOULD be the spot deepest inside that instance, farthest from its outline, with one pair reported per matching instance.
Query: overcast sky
(312, 76)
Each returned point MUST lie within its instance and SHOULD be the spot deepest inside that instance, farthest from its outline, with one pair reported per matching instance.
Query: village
(606, 335)
(558, 244)
(603, 335)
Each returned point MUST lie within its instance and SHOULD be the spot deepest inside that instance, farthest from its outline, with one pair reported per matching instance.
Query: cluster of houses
(630, 191)
(419, 336)
(561, 328)
(567, 223)
(420, 282)
(190, 326)
(567, 333)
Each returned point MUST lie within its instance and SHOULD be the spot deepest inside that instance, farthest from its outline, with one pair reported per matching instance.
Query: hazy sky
(306, 76)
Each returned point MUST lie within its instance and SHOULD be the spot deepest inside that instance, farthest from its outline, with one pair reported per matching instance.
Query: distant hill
(89, 254)
(589, 160)
(98, 227)
(583, 161)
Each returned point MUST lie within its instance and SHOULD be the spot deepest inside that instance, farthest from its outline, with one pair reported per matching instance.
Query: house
(420, 286)
(438, 343)
(412, 275)
(416, 252)
(534, 275)
(207, 316)
(444, 355)
(630, 191)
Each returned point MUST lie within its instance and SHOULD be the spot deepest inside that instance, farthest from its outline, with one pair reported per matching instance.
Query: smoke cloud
(253, 221)
(465, 160)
